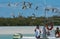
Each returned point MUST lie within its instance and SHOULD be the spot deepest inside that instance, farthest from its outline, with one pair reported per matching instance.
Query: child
(57, 34)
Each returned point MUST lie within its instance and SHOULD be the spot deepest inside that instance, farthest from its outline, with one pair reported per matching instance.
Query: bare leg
(38, 38)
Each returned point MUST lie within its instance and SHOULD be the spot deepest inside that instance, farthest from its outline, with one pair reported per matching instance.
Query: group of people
(38, 32)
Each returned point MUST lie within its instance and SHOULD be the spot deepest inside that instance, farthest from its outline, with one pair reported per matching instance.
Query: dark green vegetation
(23, 21)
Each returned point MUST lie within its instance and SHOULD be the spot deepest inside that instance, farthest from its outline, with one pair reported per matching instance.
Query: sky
(7, 11)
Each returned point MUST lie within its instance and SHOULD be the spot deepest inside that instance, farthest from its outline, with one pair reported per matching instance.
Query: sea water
(10, 36)
(6, 36)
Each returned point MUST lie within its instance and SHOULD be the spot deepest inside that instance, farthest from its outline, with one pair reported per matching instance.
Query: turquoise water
(10, 36)
(6, 36)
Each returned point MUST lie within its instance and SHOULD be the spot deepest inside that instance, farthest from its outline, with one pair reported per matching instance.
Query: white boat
(17, 36)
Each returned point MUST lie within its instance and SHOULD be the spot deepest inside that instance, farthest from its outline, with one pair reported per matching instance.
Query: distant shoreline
(29, 21)
(25, 25)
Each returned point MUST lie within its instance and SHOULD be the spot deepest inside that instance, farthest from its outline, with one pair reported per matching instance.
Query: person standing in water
(37, 32)
(57, 33)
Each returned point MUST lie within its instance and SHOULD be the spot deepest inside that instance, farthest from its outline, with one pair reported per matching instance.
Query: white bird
(24, 7)
(36, 8)
(12, 4)
(16, 4)
(24, 3)
(47, 9)
(29, 4)
(9, 4)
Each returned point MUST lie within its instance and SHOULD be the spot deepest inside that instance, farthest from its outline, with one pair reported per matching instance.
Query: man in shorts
(37, 32)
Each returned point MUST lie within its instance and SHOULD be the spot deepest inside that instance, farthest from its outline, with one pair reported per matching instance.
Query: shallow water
(7, 36)
(9, 30)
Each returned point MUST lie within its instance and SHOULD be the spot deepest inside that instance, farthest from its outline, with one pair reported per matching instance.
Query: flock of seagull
(26, 5)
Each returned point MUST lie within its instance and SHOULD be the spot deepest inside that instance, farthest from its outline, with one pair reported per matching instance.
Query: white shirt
(37, 33)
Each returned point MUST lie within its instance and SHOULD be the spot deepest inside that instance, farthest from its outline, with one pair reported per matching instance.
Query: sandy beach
(17, 29)
(13, 30)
